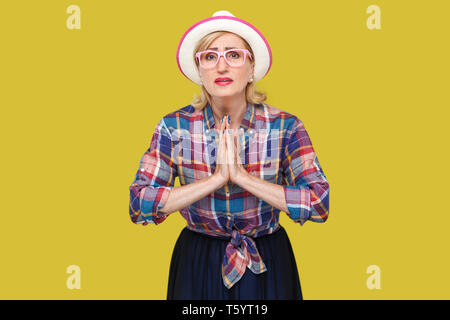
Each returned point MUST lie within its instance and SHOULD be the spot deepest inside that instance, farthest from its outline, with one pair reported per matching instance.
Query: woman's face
(240, 75)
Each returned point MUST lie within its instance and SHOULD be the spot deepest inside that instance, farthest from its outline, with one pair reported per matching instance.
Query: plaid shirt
(274, 146)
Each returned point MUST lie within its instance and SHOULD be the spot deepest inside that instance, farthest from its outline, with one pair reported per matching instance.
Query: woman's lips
(224, 82)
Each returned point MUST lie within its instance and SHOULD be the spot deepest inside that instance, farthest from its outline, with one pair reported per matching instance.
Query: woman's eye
(235, 55)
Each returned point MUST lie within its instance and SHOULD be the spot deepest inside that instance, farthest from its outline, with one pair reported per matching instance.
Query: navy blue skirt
(195, 270)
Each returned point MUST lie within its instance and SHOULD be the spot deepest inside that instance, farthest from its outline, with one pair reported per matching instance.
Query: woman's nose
(221, 64)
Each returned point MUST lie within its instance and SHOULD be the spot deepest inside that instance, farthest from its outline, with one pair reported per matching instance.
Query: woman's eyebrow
(226, 48)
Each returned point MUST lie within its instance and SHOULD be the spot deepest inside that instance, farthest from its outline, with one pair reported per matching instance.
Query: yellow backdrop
(79, 107)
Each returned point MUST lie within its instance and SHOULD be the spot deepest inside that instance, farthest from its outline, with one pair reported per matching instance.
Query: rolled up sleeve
(154, 179)
(307, 190)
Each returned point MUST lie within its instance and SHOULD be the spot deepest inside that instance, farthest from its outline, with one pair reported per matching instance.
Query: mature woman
(240, 162)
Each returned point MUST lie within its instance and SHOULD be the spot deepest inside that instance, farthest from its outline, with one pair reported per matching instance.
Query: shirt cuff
(298, 201)
(150, 208)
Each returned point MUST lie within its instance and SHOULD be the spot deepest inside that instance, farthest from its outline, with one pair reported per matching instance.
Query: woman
(240, 162)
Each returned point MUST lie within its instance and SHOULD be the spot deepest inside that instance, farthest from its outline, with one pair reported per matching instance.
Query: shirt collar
(248, 121)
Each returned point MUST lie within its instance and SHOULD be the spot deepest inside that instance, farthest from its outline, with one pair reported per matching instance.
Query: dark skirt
(195, 270)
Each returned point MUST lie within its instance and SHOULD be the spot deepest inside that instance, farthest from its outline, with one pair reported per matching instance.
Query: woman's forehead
(227, 40)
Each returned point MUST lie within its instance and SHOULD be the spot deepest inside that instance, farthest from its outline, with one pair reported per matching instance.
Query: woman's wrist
(218, 180)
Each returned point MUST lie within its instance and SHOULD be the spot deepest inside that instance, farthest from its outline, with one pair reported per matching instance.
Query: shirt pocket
(190, 157)
(264, 156)
(269, 170)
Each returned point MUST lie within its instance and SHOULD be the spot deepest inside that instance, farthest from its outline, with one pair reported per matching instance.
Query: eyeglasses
(234, 57)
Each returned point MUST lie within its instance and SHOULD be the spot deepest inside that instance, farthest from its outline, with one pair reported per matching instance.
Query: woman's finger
(223, 143)
(230, 148)
(236, 147)
(219, 154)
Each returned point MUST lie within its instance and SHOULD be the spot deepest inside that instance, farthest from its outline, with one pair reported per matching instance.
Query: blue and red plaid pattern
(275, 146)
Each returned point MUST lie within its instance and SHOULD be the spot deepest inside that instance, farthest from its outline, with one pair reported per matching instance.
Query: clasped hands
(228, 161)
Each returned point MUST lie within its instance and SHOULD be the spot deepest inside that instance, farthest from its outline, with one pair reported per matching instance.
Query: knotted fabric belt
(240, 253)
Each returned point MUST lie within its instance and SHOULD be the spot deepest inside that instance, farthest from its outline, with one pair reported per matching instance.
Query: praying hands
(228, 168)
(228, 161)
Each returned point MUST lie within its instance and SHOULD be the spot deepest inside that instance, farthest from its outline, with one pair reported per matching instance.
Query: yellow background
(78, 110)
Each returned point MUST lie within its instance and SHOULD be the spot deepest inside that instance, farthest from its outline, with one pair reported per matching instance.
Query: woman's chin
(225, 92)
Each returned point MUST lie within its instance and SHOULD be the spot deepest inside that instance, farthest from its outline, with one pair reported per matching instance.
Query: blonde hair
(251, 93)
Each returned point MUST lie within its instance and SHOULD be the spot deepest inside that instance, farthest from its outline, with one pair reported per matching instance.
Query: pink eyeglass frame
(222, 54)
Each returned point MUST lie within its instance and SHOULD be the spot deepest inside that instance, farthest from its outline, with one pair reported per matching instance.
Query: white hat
(223, 21)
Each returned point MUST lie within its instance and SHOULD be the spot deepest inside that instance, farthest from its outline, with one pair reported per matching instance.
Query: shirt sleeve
(307, 190)
(154, 179)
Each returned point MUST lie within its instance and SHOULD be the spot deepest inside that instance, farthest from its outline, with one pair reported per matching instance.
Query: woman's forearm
(269, 192)
(183, 196)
